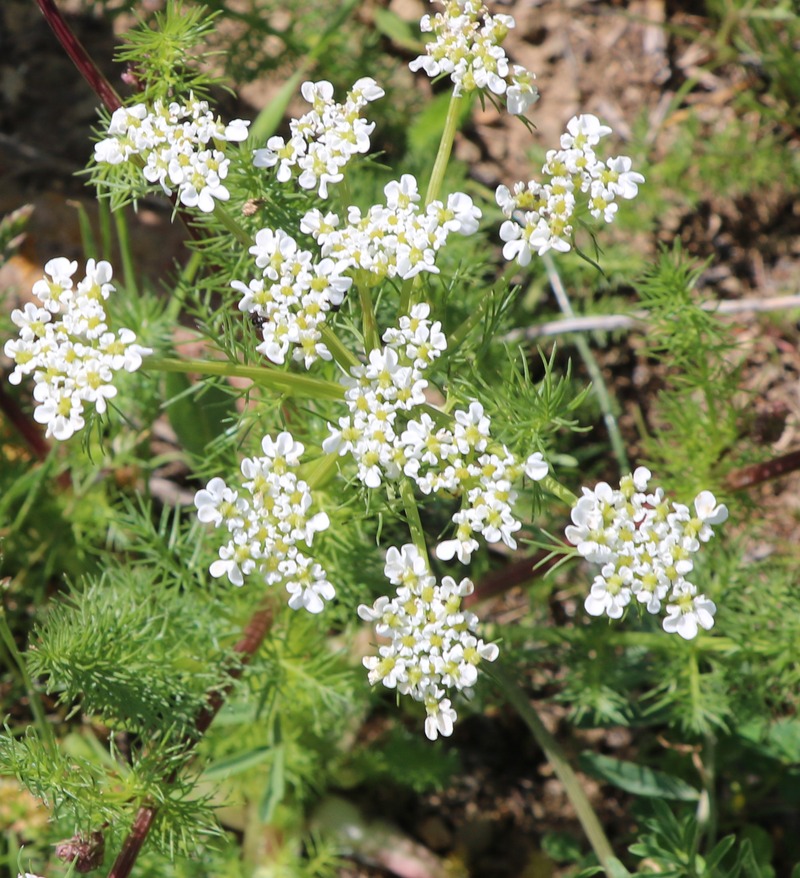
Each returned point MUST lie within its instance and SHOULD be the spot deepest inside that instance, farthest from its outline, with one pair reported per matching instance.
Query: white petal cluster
(66, 344)
(292, 297)
(266, 520)
(468, 49)
(453, 455)
(540, 215)
(432, 647)
(644, 545)
(324, 140)
(180, 145)
(395, 239)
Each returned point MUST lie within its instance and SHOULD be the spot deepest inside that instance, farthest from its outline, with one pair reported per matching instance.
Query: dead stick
(611, 322)
(756, 473)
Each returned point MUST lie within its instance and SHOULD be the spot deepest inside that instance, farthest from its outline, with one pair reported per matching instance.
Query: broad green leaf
(714, 858)
(399, 31)
(197, 415)
(637, 779)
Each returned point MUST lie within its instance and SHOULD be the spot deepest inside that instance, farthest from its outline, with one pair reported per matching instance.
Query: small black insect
(256, 319)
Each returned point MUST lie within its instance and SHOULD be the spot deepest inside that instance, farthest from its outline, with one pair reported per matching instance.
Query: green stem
(412, 517)
(344, 357)
(232, 226)
(44, 728)
(552, 749)
(300, 386)
(445, 148)
(707, 804)
(369, 323)
(599, 385)
(551, 484)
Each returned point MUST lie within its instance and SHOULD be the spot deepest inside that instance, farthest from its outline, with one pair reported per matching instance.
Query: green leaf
(399, 31)
(637, 779)
(561, 847)
(275, 789)
(269, 119)
(237, 763)
(197, 413)
(714, 858)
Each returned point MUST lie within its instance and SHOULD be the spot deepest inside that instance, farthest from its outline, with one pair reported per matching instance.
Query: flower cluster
(454, 457)
(432, 644)
(66, 344)
(396, 239)
(180, 145)
(468, 49)
(267, 520)
(644, 546)
(324, 140)
(292, 297)
(544, 211)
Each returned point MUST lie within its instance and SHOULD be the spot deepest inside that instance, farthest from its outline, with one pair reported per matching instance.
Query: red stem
(80, 57)
(253, 636)
(757, 473)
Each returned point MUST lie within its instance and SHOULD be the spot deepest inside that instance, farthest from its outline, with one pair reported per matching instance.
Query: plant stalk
(40, 720)
(300, 386)
(445, 148)
(79, 56)
(552, 749)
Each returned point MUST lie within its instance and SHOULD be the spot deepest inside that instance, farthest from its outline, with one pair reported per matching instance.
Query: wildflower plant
(363, 476)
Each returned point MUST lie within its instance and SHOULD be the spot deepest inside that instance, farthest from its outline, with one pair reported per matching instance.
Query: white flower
(536, 467)
(269, 520)
(432, 645)
(688, 612)
(539, 215)
(173, 144)
(645, 545)
(67, 346)
(323, 140)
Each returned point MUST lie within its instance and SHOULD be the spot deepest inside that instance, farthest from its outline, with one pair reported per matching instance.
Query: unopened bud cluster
(323, 140)
(468, 49)
(66, 344)
(644, 545)
(540, 215)
(267, 520)
(432, 646)
(180, 146)
(456, 457)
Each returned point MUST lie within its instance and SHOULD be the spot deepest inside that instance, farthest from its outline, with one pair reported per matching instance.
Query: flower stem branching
(299, 386)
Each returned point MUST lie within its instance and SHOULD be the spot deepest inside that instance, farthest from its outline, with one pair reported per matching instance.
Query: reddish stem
(516, 573)
(80, 57)
(253, 636)
(757, 473)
